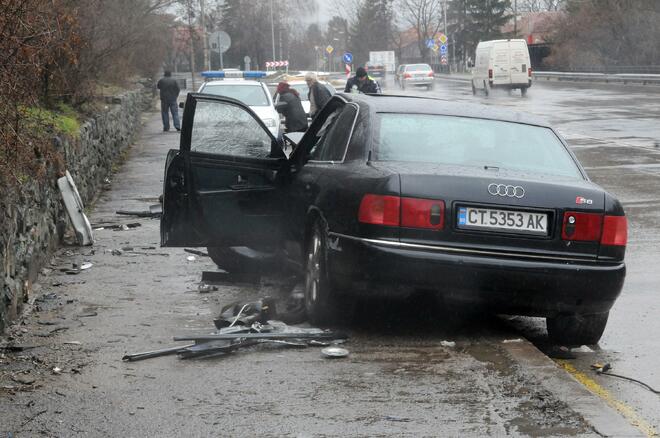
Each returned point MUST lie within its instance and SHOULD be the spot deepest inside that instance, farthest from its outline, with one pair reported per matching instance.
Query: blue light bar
(215, 74)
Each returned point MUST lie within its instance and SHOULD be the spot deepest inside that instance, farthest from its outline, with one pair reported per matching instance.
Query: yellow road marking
(625, 410)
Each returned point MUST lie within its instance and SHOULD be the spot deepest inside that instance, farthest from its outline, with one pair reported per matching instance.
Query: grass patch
(62, 120)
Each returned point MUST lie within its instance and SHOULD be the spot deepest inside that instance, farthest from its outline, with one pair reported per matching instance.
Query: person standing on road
(295, 119)
(318, 94)
(169, 92)
(362, 83)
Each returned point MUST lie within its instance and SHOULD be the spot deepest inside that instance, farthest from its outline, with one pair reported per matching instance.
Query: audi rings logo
(506, 190)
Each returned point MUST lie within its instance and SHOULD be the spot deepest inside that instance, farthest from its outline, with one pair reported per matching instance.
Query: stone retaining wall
(32, 223)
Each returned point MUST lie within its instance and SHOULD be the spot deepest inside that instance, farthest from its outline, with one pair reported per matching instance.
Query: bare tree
(425, 16)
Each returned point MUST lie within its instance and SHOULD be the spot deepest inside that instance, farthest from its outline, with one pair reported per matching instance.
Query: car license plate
(508, 221)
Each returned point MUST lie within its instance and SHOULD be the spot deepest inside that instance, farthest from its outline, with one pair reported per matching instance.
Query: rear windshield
(248, 94)
(472, 142)
(418, 67)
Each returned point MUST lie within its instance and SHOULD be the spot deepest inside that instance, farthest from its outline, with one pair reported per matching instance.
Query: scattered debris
(206, 288)
(560, 352)
(116, 252)
(24, 379)
(512, 341)
(191, 258)
(196, 252)
(604, 369)
(72, 343)
(229, 339)
(57, 370)
(154, 211)
(86, 315)
(334, 352)
(76, 210)
(582, 349)
(450, 344)
(397, 419)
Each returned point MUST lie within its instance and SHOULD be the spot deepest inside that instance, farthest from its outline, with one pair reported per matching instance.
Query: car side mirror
(181, 105)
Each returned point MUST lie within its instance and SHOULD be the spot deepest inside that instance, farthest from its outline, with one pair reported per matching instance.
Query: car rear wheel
(486, 89)
(321, 302)
(523, 91)
(474, 89)
(577, 329)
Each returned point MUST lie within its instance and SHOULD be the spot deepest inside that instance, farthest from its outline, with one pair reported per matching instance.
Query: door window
(334, 135)
(227, 129)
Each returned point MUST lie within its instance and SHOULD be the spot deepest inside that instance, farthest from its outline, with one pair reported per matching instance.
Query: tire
(228, 260)
(523, 91)
(474, 89)
(403, 85)
(575, 329)
(486, 89)
(321, 302)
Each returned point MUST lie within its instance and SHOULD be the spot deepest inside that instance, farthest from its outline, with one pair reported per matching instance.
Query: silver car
(416, 75)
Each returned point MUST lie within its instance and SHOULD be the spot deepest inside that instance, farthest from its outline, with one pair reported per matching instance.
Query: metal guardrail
(619, 78)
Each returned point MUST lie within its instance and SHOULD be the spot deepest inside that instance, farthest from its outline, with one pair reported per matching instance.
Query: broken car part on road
(229, 339)
(76, 210)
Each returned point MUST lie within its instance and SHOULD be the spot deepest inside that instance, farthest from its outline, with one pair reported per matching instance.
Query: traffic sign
(443, 48)
(443, 38)
(435, 47)
(430, 43)
(329, 49)
(443, 60)
(348, 58)
(220, 41)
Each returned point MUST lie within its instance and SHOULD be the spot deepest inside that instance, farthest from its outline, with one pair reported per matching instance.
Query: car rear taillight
(490, 74)
(406, 212)
(593, 227)
(422, 213)
(615, 231)
(407, 76)
(529, 72)
(430, 74)
(586, 227)
(380, 210)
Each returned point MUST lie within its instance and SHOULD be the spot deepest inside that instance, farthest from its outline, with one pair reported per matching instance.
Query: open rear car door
(222, 187)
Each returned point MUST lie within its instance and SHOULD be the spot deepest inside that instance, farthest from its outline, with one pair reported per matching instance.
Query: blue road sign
(443, 48)
(430, 43)
(348, 58)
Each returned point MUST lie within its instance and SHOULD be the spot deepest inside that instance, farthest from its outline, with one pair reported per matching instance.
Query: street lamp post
(272, 28)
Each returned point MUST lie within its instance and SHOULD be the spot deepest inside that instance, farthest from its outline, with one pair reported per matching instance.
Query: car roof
(234, 81)
(427, 105)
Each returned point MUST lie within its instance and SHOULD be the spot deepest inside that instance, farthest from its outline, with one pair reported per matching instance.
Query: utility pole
(272, 29)
(444, 9)
(515, 18)
(205, 43)
(192, 43)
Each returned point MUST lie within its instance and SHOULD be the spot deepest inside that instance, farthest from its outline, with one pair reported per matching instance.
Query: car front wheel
(575, 329)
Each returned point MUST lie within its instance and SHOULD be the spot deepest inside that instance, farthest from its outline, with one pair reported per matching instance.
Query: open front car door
(222, 187)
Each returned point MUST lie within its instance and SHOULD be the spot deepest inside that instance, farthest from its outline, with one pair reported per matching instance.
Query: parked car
(255, 94)
(377, 71)
(416, 75)
(388, 195)
(502, 64)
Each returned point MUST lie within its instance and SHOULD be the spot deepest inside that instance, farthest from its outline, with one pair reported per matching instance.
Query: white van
(502, 64)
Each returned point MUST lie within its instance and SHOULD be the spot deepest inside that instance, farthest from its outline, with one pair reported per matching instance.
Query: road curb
(605, 420)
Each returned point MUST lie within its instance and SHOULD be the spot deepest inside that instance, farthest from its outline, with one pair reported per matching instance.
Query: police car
(247, 88)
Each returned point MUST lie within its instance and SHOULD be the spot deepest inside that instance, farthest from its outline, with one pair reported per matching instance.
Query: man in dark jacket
(169, 92)
(295, 119)
(362, 83)
(318, 94)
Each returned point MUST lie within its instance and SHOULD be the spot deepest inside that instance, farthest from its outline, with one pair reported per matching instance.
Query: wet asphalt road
(398, 380)
(614, 132)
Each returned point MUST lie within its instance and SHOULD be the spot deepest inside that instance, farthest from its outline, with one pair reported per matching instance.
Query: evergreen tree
(370, 30)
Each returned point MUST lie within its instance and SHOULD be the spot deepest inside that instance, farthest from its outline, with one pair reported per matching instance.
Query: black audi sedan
(390, 195)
